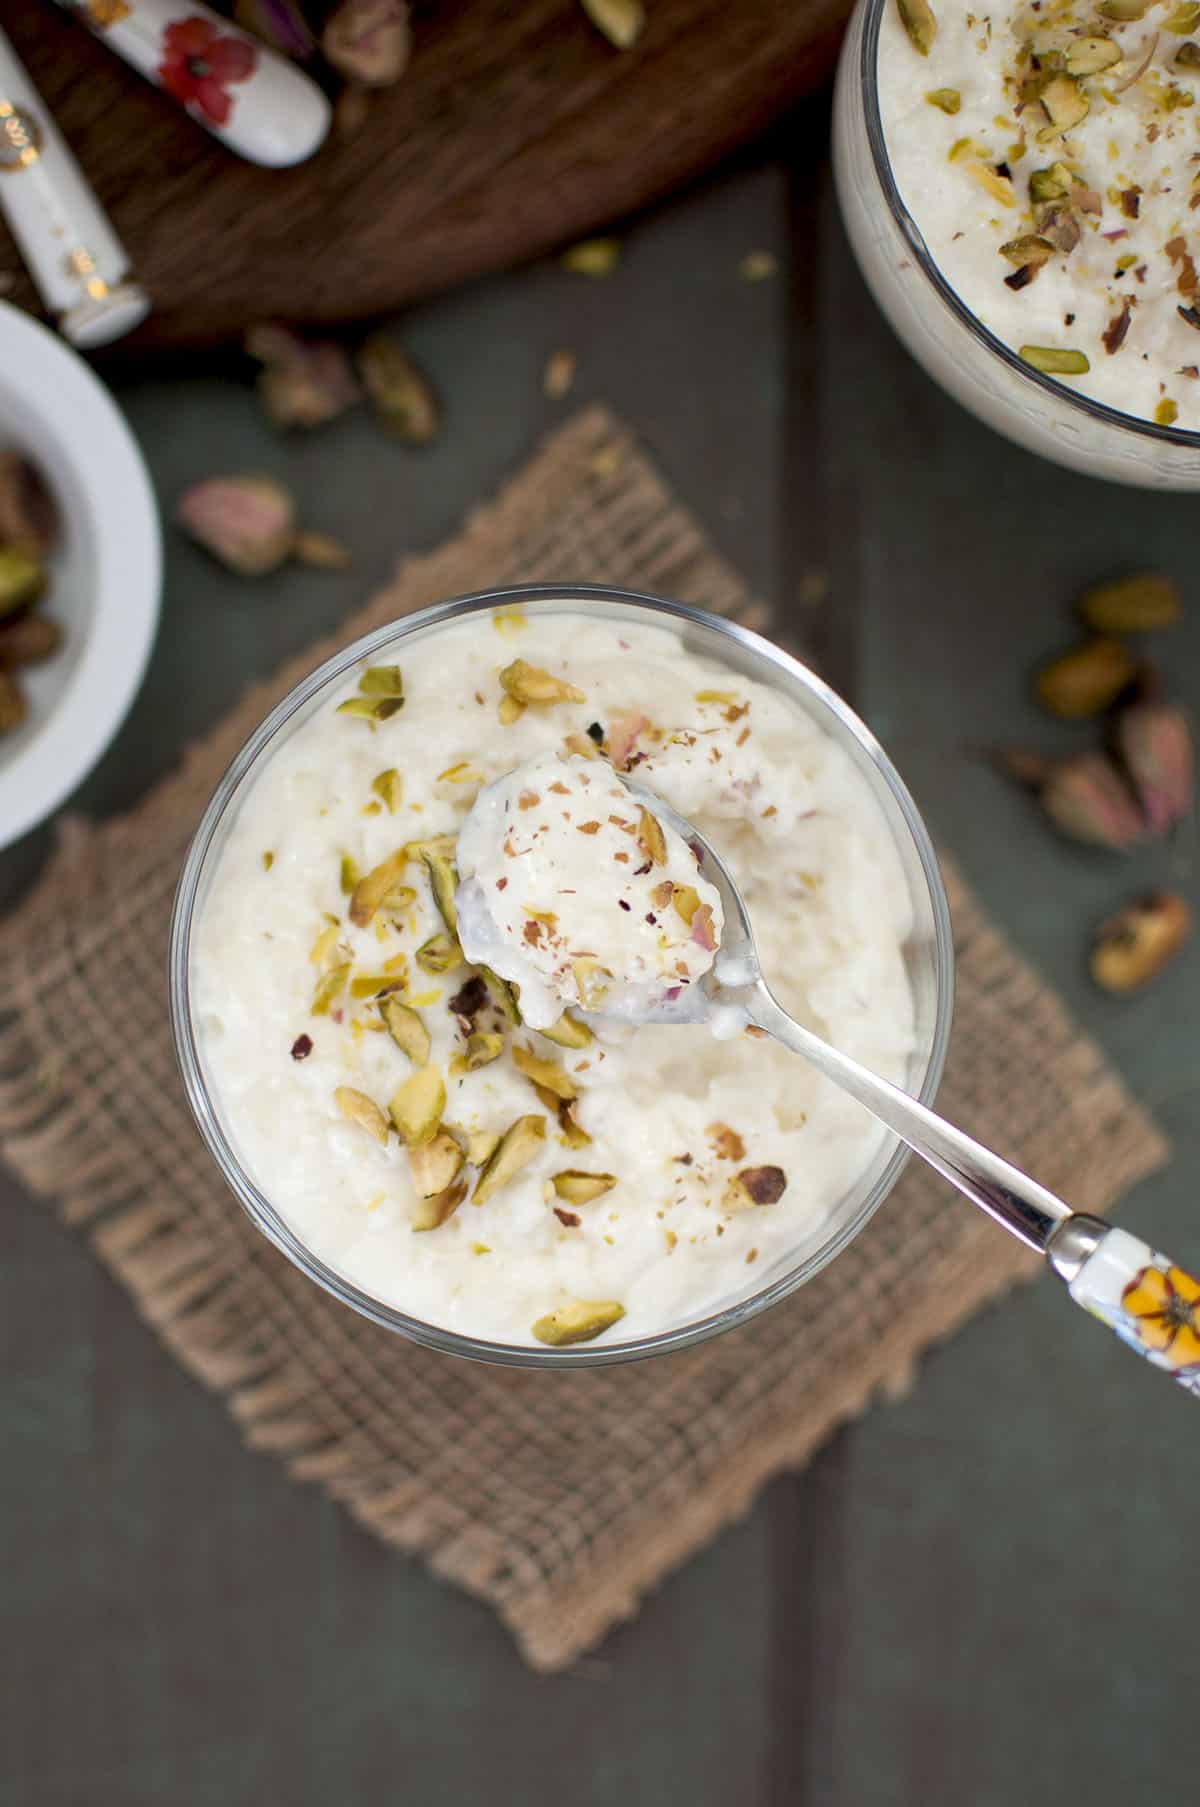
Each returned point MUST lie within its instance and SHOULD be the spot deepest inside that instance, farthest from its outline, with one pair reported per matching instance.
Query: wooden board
(516, 129)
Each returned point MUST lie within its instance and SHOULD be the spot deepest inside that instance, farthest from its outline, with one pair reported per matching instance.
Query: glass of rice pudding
(586, 1190)
(1020, 185)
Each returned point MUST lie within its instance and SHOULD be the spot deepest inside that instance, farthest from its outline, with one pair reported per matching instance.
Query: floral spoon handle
(1151, 1304)
(243, 92)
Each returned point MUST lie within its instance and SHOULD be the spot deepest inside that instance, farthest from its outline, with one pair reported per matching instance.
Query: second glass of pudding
(589, 1192)
(1019, 188)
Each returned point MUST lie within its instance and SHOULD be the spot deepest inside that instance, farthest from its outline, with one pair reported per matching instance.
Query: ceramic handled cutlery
(246, 94)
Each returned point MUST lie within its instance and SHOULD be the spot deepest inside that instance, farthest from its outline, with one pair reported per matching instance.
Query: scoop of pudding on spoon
(585, 889)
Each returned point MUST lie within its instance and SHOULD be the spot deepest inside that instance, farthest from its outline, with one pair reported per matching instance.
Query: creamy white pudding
(393, 1102)
(1047, 152)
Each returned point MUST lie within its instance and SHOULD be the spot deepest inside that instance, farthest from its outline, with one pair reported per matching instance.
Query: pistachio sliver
(22, 579)
(405, 1028)
(356, 1107)
(437, 856)
(382, 680)
(483, 1047)
(329, 986)
(591, 981)
(1055, 360)
(1123, 12)
(389, 788)
(416, 1106)
(1029, 248)
(371, 708)
(515, 1149)
(577, 1321)
(481, 1146)
(440, 954)
(1065, 102)
(369, 985)
(435, 1164)
(568, 1032)
(570, 1128)
(503, 995)
(685, 900)
(530, 684)
(432, 1213)
(1090, 54)
(919, 22)
(1052, 184)
(348, 875)
(546, 1073)
(650, 838)
(946, 100)
(371, 890)
(579, 1188)
(510, 710)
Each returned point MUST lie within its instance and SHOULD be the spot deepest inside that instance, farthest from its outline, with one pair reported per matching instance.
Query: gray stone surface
(974, 1595)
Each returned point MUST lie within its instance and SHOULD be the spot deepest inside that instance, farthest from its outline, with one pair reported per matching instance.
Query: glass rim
(1099, 411)
(259, 1208)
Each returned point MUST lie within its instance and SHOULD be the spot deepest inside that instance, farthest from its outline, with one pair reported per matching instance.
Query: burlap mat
(559, 1498)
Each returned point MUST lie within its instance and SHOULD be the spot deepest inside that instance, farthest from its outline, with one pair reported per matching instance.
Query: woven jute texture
(559, 1497)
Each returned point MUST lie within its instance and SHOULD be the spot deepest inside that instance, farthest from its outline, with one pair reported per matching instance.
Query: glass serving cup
(928, 953)
(956, 349)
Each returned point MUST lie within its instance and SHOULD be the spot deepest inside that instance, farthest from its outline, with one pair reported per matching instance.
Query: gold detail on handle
(20, 138)
(82, 264)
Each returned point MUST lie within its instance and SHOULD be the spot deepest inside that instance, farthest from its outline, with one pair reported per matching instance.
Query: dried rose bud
(248, 523)
(401, 395)
(302, 383)
(28, 517)
(1135, 945)
(1155, 743)
(1087, 798)
(369, 41)
(1086, 680)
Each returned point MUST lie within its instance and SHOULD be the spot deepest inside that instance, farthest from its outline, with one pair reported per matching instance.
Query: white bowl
(105, 572)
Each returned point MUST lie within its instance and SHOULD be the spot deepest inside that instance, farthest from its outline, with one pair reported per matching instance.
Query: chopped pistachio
(999, 187)
(918, 20)
(1065, 102)
(436, 1164)
(1030, 248)
(621, 21)
(591, 981)
(349, 875)
(432, 1213)
(579, 1188)
(530, 684)
(1135, 945)
(568, 1032)
(389, 788)
(685, 900)
(437, 857)
(1132, 605)
(382, 680)
(268, 860)
(650, 838)
(1188, 56)
(1166, 413)
(326, 941)
(481, 1146)
(403, 399)
(398, 899)
(22, 579)
(570, 1128)
(483, 1047)
(503, 995)
(1054, 360)
(416, 1106)
(1183, 19)
(371, 890)
(592, 257)
(510, 710)
(371, 709)
(405, 1028)
(440, 954)
(329, 986)
(1051, 184)
(1086, 680)
(546, 1073)
(356, 1107)
(577, 1321)
(754, 1186)
(369, 985)
(515, 1149)
(1089, 55)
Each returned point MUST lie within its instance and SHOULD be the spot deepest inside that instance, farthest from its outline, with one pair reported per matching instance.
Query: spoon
(1151, 1304)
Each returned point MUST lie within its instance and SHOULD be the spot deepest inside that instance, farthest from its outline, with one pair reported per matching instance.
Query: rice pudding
(1047, 152)
(397, 1104)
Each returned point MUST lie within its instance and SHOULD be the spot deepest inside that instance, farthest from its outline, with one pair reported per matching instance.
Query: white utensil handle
(74, 256)
(246, 94)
